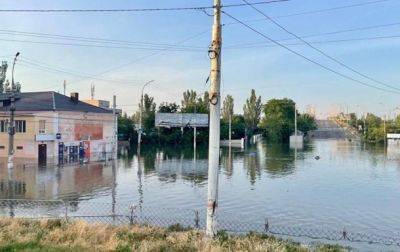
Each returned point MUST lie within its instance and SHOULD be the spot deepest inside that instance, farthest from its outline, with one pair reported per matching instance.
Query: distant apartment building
(51, 125)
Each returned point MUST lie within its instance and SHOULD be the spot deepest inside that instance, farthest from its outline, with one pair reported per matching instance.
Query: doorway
(42, 154)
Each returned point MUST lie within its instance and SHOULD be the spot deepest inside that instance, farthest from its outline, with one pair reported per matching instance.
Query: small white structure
(393, 139)
(296, 140)
(238, 143)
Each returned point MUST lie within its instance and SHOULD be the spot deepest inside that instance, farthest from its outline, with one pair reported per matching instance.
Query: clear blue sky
(272, 71)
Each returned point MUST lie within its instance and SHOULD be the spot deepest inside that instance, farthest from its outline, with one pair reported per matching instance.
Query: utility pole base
(10, 163)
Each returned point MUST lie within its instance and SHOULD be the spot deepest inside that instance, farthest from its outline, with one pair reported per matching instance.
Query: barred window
(3, 126)
(42, 126)
(20, 126)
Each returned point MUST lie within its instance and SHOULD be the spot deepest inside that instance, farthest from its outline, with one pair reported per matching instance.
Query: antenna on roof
(65, 86)
(92, 90)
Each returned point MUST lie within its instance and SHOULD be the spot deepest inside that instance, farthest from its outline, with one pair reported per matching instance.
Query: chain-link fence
(129, 214)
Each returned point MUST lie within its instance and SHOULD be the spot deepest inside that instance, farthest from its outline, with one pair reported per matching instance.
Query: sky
(274, 72)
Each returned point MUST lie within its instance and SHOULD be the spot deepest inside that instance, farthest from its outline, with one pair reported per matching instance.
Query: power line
(42, 66)
(319, 50)
(96, 46)
(316, 42)
(195, 8)
(318, 11)
(309, 59)
(166, 49)
(95, 76)
(91, 39)
(363, 28)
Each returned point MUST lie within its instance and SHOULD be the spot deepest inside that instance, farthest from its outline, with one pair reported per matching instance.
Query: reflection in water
(263, 180)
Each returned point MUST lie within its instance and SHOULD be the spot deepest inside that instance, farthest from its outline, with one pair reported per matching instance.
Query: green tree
(125, 128)
(278, 121)
(238, 128)
(189, 101)
(375, 131)
(227, 108)
(306, 122)
(193, 103)
(166, 107)
(148, 119)
(252, 112)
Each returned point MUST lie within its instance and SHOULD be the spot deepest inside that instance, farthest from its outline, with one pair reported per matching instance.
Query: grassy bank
(57, 235)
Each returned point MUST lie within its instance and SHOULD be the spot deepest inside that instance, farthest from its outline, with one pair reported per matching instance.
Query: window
(3, 126)
(20, 126)
(20, 147)
(2, 147)
(42, 126)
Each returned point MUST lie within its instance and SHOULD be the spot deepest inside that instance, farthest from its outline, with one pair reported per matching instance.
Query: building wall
(95, 130)
(25, 145)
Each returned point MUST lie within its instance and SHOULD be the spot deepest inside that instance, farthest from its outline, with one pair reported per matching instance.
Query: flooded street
(328, 184)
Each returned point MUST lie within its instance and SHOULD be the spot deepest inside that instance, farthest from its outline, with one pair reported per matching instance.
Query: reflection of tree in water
(125, 156)
(227, 161)
(276, 159)
(252, 165)
(172, 162)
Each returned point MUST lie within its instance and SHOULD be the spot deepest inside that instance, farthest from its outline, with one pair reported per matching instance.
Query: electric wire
(319, 50)
(319, 42)
(97, 45)
(196, 8)
(45, 67)
(166, 49)
(316, 11)
(363, 28)
(91, 39)
(309, 59)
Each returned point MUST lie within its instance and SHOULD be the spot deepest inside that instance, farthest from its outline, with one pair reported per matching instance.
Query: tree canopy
(252, 112)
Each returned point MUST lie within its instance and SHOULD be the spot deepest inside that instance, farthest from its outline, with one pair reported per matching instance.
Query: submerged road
(327, 129)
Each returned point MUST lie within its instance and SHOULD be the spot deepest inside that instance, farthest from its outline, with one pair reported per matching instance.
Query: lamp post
(140, 115)
(384, 121)
(11, 128)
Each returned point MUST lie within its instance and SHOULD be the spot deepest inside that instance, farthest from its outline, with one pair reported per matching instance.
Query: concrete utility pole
(195, 129)
(115, 127)
(384, 128)
(65, 86)
(295, 120)
(365, 125)
(92, 90)
(215, 110)
(11, 127)
(230, 129)
(140, 115)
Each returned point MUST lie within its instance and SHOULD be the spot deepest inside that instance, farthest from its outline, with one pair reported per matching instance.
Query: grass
(57, 235)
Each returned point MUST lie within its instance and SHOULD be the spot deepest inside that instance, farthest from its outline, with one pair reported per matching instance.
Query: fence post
(66, 211)
(12, 213)
(344, 234)
(132, 215)
(266, 225)
(196, 219)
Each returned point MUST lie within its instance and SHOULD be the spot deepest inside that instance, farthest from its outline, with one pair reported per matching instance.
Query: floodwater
(329, 184)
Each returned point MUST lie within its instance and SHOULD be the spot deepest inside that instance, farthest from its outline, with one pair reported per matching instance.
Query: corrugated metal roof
(51, 101)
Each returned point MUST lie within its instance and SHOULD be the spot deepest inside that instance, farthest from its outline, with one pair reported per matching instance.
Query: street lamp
(140, 114)
(384, 121)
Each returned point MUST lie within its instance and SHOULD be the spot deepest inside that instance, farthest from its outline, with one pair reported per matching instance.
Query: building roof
(50, 101)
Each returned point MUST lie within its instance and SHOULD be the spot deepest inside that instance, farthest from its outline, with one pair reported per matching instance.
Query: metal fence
(129, 214)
